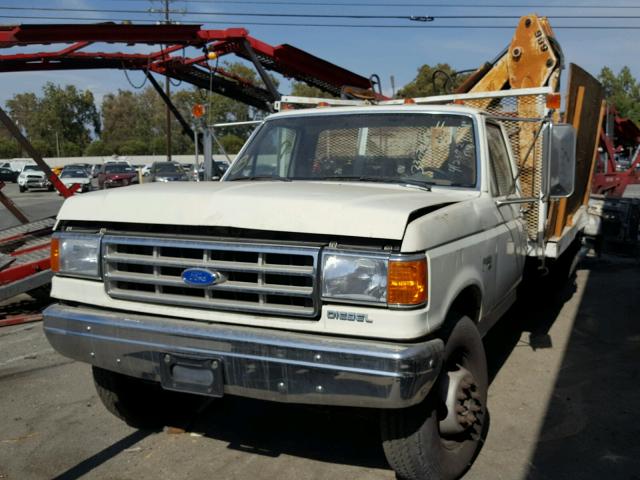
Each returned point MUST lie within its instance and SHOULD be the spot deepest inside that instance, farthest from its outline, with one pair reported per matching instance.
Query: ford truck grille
(267, 279)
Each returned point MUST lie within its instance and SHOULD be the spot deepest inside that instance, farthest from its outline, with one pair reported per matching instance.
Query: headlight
(383, 280)
(76, 255)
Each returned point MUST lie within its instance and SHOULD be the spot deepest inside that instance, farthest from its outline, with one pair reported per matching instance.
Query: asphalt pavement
(35, 204)
(564, 367)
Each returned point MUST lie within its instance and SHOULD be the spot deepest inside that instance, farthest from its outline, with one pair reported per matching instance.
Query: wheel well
(468, 303)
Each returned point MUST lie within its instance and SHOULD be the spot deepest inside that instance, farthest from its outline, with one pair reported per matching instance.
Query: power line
(371, 4)
(332, 25)
(309, 15)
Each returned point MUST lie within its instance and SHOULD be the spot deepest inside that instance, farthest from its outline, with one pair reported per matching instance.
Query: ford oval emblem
(199, 277)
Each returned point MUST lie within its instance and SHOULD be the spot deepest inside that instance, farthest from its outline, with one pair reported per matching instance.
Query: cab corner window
(502, 179)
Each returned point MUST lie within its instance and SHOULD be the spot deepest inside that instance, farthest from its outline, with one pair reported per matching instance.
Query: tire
(50, 188)
(142, 404)
(22, 189)
(412, 439)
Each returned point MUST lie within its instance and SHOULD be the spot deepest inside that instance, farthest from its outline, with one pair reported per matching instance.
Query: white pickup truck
(352, 255)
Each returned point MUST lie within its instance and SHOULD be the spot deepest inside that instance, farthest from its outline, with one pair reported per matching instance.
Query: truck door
(511, 234)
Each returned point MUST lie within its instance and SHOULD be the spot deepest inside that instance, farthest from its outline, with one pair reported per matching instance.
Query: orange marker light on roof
(409, 101)
(407, 282)
(198, 110)
(554, 101)
(323, 104)
(55, 255)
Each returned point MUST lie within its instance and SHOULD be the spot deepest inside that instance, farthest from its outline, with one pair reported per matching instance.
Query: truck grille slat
(220, 265)
(258, 278)
(196, 302)
(165, 280)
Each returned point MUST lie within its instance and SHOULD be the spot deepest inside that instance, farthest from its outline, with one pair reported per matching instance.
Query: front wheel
(22, 189)
(142, 404)
(439, 438)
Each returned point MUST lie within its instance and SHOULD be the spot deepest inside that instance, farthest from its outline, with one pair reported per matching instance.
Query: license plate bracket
(199, 375)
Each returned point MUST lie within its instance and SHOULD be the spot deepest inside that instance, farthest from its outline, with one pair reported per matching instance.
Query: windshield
(118, 168)
(429, 149)
(32, 168)
(73, 173)
(168, 168)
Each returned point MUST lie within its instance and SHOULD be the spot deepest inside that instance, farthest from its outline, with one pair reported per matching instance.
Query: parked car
(32, 177)
(72, 175)
(222, 165)
(167, 172)
(8, 175)
(117, 174)
(85, 166)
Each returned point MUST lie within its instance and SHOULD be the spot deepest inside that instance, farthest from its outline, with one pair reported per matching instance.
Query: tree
(8, 149)
(62, 117)
(300, 89)
(437, 80)
(623, 91)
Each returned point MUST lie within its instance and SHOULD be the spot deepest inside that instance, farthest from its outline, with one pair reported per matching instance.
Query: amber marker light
(198, 110)
(407, 282)
(553, 101)
(55, 254)
(409, 101)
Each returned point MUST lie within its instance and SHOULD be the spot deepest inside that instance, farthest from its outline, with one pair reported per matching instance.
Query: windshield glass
(118, 168)
(168, 168)
(432, 149)
(32, 168)
(78, 173)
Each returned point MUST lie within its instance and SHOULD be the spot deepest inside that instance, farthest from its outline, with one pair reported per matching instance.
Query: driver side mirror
(559, 160)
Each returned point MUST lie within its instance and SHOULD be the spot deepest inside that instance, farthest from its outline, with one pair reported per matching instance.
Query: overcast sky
(385, 51)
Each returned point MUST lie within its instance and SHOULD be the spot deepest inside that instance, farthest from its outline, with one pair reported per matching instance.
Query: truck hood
(341, 209)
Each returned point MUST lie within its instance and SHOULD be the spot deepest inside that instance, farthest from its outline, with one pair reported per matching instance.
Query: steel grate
(521, 135)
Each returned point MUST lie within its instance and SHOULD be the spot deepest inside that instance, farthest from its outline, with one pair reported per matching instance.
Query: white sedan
(71, 176)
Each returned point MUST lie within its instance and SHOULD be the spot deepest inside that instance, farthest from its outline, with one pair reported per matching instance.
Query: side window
(502, 182)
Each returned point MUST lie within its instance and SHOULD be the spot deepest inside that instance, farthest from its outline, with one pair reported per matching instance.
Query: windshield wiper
(398, 181)
(260, 177)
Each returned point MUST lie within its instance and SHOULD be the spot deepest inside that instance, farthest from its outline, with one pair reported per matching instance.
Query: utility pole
(167, 86)
(166, 11)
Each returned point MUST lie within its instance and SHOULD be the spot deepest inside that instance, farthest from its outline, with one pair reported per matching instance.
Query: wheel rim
(462, 401)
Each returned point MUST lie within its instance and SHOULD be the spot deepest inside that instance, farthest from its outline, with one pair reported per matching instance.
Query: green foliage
(128, 123)
(423, 84)
(98, 148)
(623, 91)
(300, 89)
(232, 143)
(62, 116)
(8, 149)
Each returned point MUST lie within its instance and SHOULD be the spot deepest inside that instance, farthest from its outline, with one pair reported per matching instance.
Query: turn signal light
(55, 255)
(407, 282)
(409, 101)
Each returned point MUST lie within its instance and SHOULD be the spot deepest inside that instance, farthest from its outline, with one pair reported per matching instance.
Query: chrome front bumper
(259, 363)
